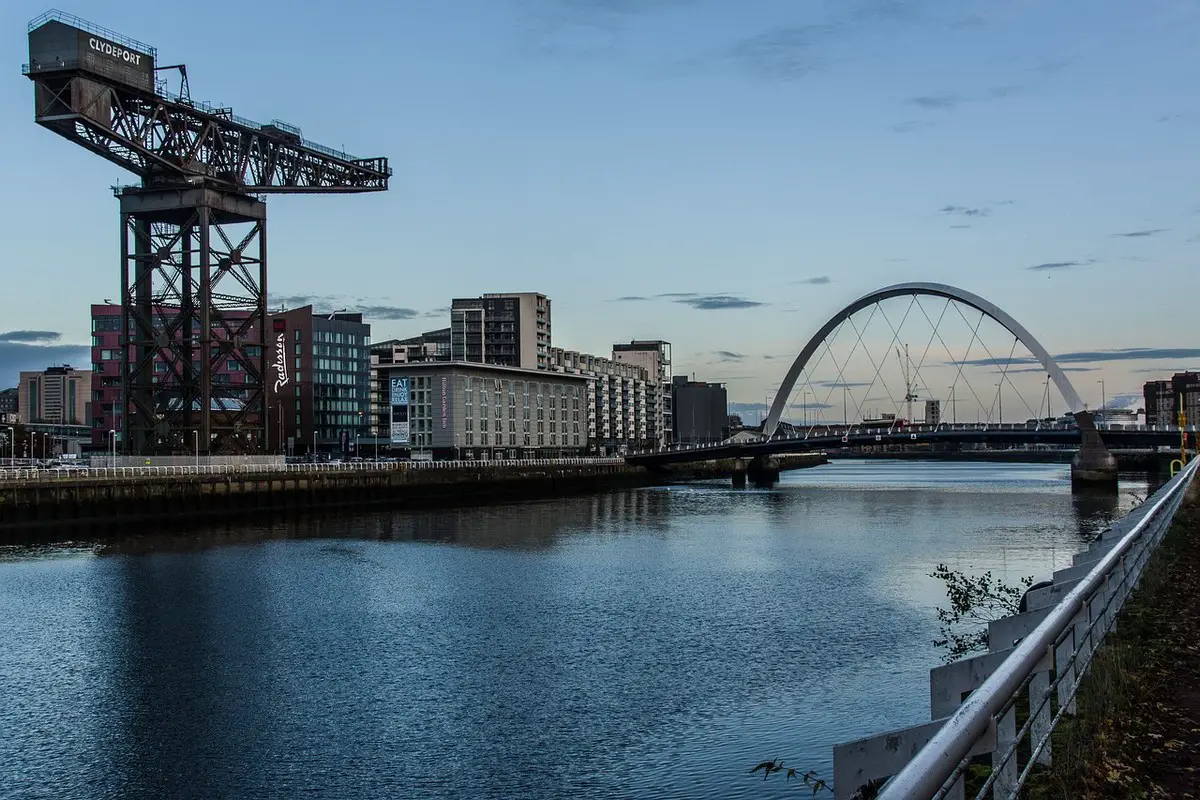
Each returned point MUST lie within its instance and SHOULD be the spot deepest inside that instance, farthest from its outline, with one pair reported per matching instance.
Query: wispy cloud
(677, 294)
(387, 312)
(965, 211)
(328, 303)
(30, 337)
(1054, 265)
(819, 280)
(584, 28)
(959, 227)
(437, 312)
(1101, 356)
(630, 298)
(729, 355)
(1140, 234)
(718, 302)
(943, 101)
(781, 54)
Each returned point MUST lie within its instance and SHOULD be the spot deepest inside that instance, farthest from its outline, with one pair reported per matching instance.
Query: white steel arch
(932, 290)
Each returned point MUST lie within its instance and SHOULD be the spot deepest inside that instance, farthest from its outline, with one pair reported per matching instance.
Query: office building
(655, 357)
(1164, 398)
(510, 330)
(701, 410)
(318, 382)
(57, 395)
(455, 409)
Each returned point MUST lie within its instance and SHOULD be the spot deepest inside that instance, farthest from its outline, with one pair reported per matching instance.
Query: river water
(645, 643)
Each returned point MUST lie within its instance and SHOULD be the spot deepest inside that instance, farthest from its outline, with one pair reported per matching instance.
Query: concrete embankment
(52, 504)
(1125, 460)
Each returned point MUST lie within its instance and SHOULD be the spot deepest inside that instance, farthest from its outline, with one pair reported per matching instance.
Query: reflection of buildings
(1163, 399)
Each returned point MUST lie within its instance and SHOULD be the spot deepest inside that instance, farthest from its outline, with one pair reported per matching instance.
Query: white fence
(1041, 653)
(73, 473)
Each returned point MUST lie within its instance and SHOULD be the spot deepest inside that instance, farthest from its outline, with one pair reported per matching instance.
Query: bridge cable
(996, 362)
(841, 376)
(932, 336)
(879, 367)
(962, 363)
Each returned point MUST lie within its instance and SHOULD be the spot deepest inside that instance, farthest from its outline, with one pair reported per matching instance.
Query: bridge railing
(77, 473)
(1041, 653)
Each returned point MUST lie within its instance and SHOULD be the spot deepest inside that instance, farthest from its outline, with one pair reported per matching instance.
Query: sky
(725, 176)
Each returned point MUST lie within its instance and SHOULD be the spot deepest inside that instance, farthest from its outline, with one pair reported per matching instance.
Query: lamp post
(1103, 397)
(1000, 400)
(12, 445)
(804, 407)
(953, 407)
(845, 413)
(196, 441)
(357, 434)
(112, 447)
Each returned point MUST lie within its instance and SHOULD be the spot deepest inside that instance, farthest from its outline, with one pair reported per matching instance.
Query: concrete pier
(1093, 465)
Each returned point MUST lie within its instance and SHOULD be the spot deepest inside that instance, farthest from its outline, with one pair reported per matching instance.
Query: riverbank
(1137, 733)
(36, 507)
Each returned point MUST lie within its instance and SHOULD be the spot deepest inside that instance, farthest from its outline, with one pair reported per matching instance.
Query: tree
(974, 602)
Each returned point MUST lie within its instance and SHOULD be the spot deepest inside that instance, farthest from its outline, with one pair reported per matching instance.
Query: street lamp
(12, 444)
(804, 406)
(1103, 397)
(953, 407)
(112, 442)
(1000, 400)
(196, 440)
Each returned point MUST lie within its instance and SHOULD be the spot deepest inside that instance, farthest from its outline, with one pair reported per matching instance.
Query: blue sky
(781, 157)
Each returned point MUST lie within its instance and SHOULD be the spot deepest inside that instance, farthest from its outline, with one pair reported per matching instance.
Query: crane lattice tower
(193, 233)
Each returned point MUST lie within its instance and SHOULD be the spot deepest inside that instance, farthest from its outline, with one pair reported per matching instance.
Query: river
(645, 643)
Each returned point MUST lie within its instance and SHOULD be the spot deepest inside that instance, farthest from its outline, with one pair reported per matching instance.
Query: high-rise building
(933, 412)
(619, 398)
(654, 356)
(701, 410)
(318, 381)
(1164, 398)
(510, 330)
(57, 395)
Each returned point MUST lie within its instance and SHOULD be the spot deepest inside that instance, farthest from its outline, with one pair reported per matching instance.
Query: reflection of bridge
(834, 437)
(1092, 463)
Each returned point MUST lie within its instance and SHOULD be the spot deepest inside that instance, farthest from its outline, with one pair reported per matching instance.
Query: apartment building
(509, 330)
(1165, 398)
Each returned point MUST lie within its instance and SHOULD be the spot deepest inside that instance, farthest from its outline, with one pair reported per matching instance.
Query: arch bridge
(1093, 462)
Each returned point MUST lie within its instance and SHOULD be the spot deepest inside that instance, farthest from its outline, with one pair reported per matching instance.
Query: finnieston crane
(193, 234)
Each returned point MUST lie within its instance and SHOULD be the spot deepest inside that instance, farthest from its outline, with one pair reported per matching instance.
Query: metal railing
(1047, 664)
(823, 431)
(84, 473)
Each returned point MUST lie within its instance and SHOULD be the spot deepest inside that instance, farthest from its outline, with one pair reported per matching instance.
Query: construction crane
(193, 233)
(909, 389)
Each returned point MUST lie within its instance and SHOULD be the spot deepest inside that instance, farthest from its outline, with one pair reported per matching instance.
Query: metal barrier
(77, 473)
(1041, 653)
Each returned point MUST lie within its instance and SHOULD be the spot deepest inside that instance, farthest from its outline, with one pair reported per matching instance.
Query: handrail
(936, 762)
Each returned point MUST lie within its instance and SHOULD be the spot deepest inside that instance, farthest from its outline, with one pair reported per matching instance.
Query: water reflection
(640, 643)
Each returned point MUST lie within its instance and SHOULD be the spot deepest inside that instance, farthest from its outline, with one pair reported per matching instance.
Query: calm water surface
(648, 643)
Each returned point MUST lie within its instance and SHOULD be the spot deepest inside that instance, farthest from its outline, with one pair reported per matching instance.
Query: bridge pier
(739, 473)
(763, 471)
(1093, 465)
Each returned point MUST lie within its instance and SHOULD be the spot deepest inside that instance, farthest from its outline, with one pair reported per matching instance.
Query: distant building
(933, 412)
(318, 381)
(701, 410)
(1164, 399)
(56, 395)
(463, 410)
(510, 330)
(429, 346)
(9, 404)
